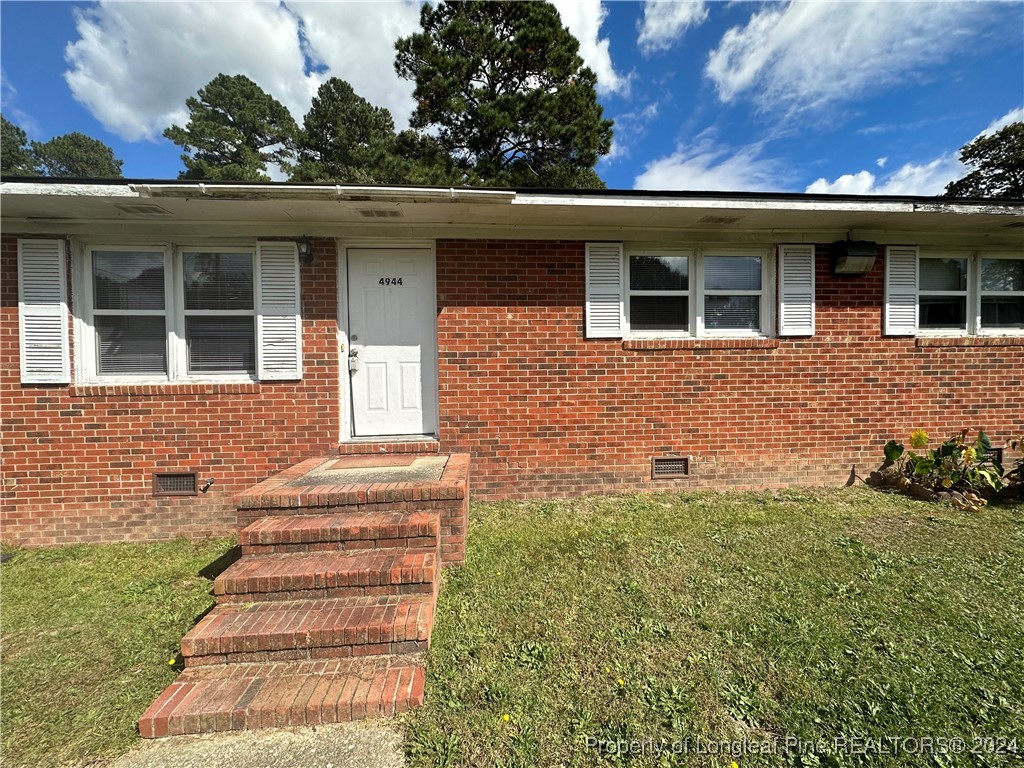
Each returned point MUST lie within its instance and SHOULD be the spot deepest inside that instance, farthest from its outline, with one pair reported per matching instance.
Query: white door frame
(430, 400)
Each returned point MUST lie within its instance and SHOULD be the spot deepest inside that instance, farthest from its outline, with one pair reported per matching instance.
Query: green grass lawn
(811, 615)
(87, 634)
(800, 614)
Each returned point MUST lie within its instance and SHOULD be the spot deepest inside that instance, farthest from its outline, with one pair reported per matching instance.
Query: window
(659, 293)
(1001, 294)
(942, 294)
(712, 292)
(220, 328)
(161, 313)
(936, 293)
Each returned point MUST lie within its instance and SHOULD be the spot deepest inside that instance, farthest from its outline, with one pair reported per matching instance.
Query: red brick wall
(78, 461)
(545, 411)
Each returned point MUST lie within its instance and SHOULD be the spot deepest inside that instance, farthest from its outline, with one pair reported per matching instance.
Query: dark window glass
(218, 281)
(1002, 274)
(659, 273)
(732, 313)
(127, 280)
(659, 313)
(732, 273)
(1002, 312)
(131, 345)
(221, 344)
(943, 312)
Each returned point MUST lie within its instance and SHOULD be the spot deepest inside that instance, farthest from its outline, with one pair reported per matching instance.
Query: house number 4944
(390, 281)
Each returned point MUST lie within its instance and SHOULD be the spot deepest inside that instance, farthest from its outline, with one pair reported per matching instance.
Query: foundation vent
(380, 213)
(668, 467)
(174, 484)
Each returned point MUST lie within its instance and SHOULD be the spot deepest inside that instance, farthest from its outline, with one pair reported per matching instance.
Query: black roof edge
(638, 193)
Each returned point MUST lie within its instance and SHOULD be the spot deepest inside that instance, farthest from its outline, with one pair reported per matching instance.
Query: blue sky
(847, 97)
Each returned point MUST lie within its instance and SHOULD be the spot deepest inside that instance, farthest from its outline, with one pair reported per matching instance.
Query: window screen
(220, 324)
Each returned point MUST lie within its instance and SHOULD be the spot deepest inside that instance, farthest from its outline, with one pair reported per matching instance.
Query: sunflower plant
(954, 465)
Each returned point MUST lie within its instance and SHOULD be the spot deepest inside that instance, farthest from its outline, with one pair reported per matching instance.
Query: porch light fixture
(305, 246)
(853, 257)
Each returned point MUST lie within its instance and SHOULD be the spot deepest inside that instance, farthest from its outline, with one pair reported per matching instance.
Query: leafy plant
(955, 465)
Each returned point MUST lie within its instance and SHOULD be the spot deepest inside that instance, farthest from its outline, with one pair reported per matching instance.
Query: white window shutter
(278, 312)
(901, 290)
(796, 290)
(605, 291)
(43, 312)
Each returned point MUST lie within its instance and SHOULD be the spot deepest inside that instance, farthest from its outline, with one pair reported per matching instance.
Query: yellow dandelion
(506, 717)
(620, 681)
(170, 662)
(918, 438)
(734, 764)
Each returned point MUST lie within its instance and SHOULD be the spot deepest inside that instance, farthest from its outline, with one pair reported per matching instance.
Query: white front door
(392, 341)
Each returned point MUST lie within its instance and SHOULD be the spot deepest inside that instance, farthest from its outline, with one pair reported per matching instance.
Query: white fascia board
(67, 190)
(842, 205)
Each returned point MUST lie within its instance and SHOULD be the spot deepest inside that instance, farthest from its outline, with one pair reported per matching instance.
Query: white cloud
(9, 97)
(1015, 115)
(706, 166)
(134, 64)
(880, 162)
(630, 127)
(808, 54)
(929, 178)
(665, 21)
(356, 42)
(584, 19)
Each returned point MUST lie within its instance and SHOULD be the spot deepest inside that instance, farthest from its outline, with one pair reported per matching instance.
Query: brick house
(164, 332)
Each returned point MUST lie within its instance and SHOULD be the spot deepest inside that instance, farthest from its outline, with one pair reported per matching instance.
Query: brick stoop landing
(326, 615)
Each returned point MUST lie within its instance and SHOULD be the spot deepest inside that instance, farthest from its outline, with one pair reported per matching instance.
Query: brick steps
(246, 696)
(342, 532)
(326, 615)
(325, 575)
(310, 629)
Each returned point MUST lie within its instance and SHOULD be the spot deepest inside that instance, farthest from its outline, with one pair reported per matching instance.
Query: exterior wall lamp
(853, 257)
(305, 247)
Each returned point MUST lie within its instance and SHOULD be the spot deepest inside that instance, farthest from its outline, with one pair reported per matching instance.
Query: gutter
(339, 192)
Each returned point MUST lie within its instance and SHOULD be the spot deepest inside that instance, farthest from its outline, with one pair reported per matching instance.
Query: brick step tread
(275, 695)
(233, 633)
(318, 571)
(369, 527)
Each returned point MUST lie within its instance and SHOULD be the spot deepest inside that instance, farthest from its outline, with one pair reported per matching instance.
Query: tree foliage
(234, 129)
(75, 155)
(16, 157)
(998, 165)
(346, 139)
(503, 88)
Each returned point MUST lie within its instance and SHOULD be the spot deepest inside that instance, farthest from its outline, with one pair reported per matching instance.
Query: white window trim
(973, 325)
(980, 330)
(696, 292)
(691, 320)
(967, 294)
(174, 312)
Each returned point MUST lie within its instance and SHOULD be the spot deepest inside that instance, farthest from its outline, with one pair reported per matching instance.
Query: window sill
(651, 345)
(172, 389)
(970, 341)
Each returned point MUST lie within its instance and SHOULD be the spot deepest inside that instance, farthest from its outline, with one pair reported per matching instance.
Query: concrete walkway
(346, 745)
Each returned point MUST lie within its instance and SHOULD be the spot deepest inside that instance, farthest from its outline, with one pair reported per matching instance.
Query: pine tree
(16, 158)
(75, 155)
(234, 129)
(502, 87)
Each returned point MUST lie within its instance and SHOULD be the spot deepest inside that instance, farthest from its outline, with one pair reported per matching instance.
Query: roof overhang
(165, 209)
